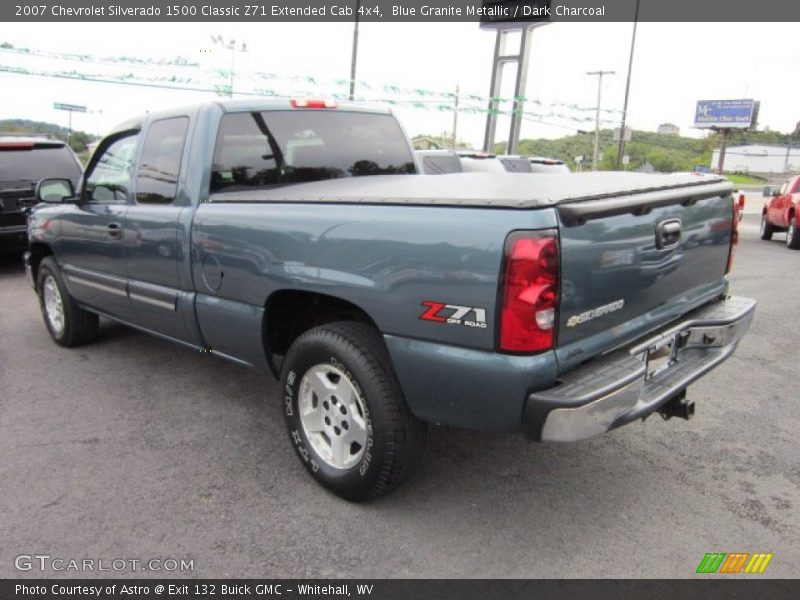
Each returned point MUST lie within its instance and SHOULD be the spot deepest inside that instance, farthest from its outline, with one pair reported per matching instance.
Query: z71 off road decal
(454, 314)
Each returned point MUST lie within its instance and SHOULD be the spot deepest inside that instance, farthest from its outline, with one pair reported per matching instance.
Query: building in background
(760, 159)
(668, 129)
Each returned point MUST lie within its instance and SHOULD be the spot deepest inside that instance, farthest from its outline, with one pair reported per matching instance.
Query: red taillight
(734, 234)
(529, 292)
(311, 103)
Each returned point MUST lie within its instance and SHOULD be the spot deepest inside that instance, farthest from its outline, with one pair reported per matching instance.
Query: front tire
(345, 413)
(766, 228)
(68, 324)
(793, 234)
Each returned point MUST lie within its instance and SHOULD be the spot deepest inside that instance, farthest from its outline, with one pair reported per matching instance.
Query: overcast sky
(675, 65)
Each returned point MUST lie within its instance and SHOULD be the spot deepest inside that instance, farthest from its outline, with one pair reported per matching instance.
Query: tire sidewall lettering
(308, 456)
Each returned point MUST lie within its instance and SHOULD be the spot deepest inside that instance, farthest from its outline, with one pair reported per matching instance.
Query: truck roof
(246, 105)
(506, 190)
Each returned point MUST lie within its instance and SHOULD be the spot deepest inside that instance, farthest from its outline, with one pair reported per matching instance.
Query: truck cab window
(276, 148)
(110, 178)
(160, 163)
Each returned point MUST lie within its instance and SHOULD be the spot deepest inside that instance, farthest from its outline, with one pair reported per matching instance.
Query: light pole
(597, 114)
(621, 146)
(99, 113)
(354, 56)
(230, 45)
(455, 117)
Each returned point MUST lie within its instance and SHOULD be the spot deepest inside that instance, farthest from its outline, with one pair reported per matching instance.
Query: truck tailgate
(626, 272)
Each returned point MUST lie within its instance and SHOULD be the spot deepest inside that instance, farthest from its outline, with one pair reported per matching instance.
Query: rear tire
(793, 234)
(766, 228)
(68, 324)
(345, 413)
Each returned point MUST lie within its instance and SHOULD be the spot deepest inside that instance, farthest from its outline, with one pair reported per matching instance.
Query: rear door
(154, 235)
(90, 244)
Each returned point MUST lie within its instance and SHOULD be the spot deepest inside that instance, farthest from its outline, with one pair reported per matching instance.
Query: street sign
(725, 114)
(625, 159)
(579, 159)
(69, 107)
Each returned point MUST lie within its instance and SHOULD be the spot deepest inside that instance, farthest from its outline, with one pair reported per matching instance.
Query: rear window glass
(276, 148)
(37, 162)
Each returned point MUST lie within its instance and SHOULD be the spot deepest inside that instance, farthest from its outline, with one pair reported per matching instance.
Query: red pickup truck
(781, 212)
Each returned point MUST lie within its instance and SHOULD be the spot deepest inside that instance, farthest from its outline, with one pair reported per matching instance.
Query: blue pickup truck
(297, 237)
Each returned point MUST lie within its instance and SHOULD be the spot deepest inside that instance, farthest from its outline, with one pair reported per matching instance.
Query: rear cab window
(278, 148)
(34, 161)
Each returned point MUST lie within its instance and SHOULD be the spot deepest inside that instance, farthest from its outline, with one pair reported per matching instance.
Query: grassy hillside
(667, 153)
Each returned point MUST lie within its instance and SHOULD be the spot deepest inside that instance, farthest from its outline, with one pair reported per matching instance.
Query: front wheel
(345, 412)
(793, 235)
(766, 228)
(69, 325)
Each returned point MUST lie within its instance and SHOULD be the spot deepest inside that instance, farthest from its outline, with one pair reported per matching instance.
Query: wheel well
(38, 252)
(290, 313)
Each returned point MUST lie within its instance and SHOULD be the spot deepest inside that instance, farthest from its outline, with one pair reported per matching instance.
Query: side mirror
(54, 191)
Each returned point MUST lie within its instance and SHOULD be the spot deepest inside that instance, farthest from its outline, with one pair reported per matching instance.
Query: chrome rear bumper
(632, 383)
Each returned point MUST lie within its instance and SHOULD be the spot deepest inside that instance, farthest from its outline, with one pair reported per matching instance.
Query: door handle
(114, 230)
(668, 234)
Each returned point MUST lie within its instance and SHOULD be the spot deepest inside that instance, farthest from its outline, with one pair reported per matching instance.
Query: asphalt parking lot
(135, 448)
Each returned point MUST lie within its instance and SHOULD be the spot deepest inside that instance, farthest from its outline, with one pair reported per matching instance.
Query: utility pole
(354, 57)
(621, 146)
(455, 118)
(597, 114)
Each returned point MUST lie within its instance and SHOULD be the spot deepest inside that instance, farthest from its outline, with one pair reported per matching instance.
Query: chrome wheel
(53, 304)
(790, 233)
(333, 416)
(763, 224)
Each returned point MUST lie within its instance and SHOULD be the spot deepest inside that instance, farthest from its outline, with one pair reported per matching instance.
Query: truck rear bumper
(628, 384)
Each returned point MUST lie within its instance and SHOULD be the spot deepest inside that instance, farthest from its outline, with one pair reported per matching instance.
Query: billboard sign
(511, 14)
(725, 114)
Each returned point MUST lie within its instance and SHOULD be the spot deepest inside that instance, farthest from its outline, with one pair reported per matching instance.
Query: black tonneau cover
(620, 192)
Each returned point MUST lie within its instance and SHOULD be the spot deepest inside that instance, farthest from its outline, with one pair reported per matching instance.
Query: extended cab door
(90, 245)
(156, 237)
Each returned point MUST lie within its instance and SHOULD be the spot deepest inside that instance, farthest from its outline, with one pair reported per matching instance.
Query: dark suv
(23, 162)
